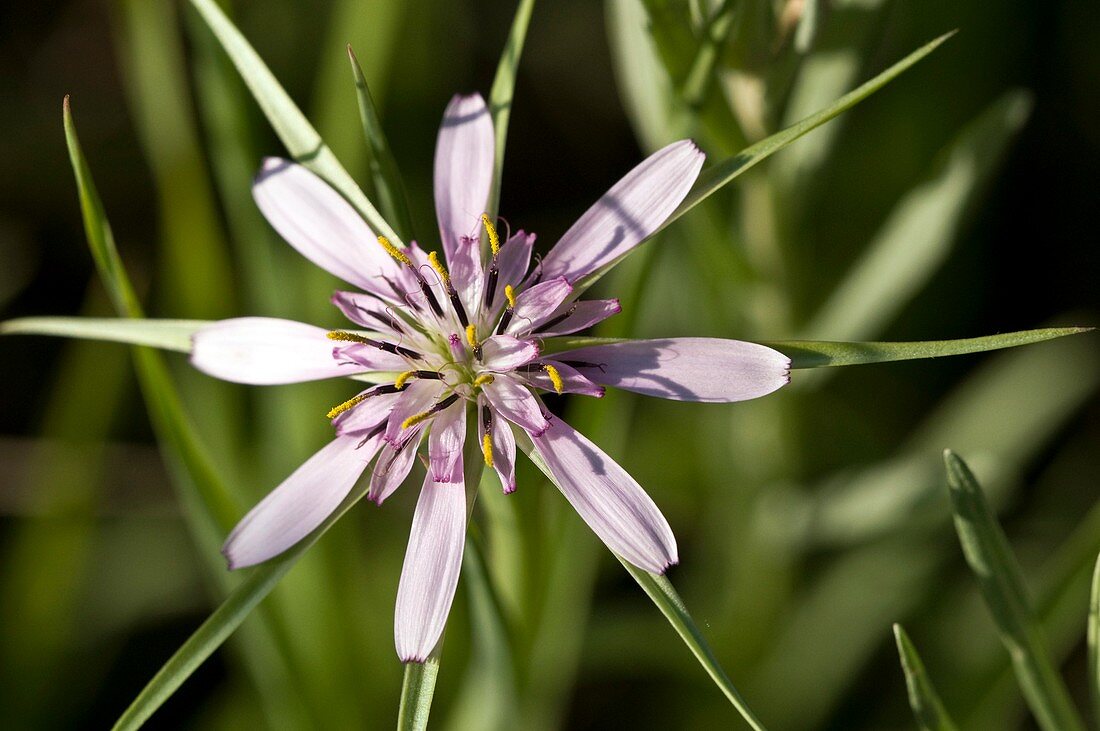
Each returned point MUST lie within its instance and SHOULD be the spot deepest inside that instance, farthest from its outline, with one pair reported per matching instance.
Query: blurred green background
(958, 201)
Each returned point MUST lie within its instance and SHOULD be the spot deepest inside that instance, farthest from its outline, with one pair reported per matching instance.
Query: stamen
(347, 405)
(484, 380)
(487, 449)
(551, 323)
(344, 336)
(399, 382)
(555, 377)
(510, 293)
(471, 338)
(395, 252)
(494, 240)
(424, 415)
(491, 289)
(433, 259)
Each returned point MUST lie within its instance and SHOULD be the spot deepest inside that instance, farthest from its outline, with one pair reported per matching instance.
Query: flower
(462, 337)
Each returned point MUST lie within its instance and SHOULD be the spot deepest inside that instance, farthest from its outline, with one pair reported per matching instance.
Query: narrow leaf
(1002, 587)
(1094, 644)
(923, 699)
(165, 334)
(384, 172)
(300, 138)
(417, 690)
(502, 94)
(717, 176)
(662, 594)
(222, 622)
(817, 354)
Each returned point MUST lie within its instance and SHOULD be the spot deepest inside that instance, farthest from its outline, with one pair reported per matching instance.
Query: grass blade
(222, 622)
(817, 354)
(502, 93)
(1094, 641)
(1001, 584)
(417, 690)
(717, 176)
(165, 334)
(384, 172)
(923, 699)
(300, 138)
(660, 590)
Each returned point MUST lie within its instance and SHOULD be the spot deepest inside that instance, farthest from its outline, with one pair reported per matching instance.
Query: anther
(425, 415)
(471, 338)
(402, 257)
(399, 382)
(506, 318)
(510, 294)
(484, 380)
(344, 336)
(448, 287)
(347, 405)
(494, 240)
(487, 449)
(395, 252)
(555, 377)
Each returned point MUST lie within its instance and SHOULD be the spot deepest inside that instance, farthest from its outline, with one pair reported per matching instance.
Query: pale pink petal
(266, 351)
(685, 369)
(512, 261)
(393, 466)
(515, 402)
(464, 154)
(627, 214)
(445, 441)
(536, 305)
(613, 504)
(416, 398)
(292, 510)
(429, 576)
(503, 446)
(573, 381)
(505, 353)
(466, 272)
(371, 313)
(320, 224)
(578, 316)
(368, 414)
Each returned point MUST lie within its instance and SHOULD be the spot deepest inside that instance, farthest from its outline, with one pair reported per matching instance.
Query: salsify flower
(459, 338)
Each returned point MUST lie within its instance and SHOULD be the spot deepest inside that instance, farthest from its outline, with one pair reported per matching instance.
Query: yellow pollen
(401, 380)
(341, 408)
(555, 377)
(487, 449)
(484, 380)
(471, 335)
(345, 336)
(494, 240)
(416, 419)
(510, 293)
(433, 259)
(395, 252)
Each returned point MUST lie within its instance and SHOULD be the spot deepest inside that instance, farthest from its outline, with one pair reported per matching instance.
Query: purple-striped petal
(613, 504)
(536, 305)
(464, 154)
(515, 402)
(627, 214)
(295, 508)
(320, 224)
(503, 447)
(393, 465)
(685, 369)
(579, 316)
(266, 351)
(429, 576)
(445, 441)
(505, 353)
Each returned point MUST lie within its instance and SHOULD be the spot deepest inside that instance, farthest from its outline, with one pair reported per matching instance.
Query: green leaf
(165, 334)
(923, 699)
(701, 74)
(999, 579)
(223, 621)
(1094, 644)
(818, 354)
(384, 172)
(502, 93)
(918, 235)
(660, 590)
(717, 176)
(417, 690)
(823, 353)
(300, 138)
